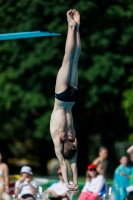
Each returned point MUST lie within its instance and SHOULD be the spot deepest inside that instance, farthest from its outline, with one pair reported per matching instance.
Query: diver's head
(69, 150)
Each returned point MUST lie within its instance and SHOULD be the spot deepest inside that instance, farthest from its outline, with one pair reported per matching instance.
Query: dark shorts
(58, 198)
(69, 95)
(27, 195)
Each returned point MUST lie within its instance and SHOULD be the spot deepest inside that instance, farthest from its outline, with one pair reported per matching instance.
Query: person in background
(94, 184)
(121, 179)
(26, 185)
(58, 190)
(101, 161)
(130, 152)
(4, 180)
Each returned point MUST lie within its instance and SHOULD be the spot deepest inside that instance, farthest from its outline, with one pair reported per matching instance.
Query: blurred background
(103, 113)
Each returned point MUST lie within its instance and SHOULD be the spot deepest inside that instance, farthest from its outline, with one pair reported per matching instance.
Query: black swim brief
(69, 95)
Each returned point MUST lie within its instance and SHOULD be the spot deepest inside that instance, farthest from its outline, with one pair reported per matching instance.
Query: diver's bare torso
(61, 123)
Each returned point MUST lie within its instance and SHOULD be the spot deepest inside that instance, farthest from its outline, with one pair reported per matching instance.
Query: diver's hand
(72, 187)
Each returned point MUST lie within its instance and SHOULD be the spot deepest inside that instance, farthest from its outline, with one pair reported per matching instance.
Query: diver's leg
(74, 73)
(64, 73)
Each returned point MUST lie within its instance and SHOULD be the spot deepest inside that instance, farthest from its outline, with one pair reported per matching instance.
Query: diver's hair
(69, 150)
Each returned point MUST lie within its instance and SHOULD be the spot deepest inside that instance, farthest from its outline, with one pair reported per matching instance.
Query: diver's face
(71, 138)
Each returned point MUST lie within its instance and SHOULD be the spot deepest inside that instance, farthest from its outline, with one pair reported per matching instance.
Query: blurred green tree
(28, 71)
(127, 102)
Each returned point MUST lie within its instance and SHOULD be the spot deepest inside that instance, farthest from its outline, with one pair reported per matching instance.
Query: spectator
(26, 185)
(130, 152)
(58, 190)
(121, 179)
(94, 184)
(101, 161)
(4, 180)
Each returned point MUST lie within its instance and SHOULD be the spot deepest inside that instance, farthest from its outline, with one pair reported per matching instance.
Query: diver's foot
(76, 16)
(70, 19)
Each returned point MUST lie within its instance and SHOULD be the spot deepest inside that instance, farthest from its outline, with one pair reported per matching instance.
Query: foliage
(29, 66)
(127, 102)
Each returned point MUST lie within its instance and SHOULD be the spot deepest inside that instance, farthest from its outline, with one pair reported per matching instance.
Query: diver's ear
(75, 142)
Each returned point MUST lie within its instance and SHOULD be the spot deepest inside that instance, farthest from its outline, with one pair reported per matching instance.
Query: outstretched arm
(64, 169)
(58, 152)
(73, 163)
(63, 164)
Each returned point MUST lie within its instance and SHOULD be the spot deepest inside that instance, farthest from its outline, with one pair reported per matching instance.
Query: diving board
(30, 34)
